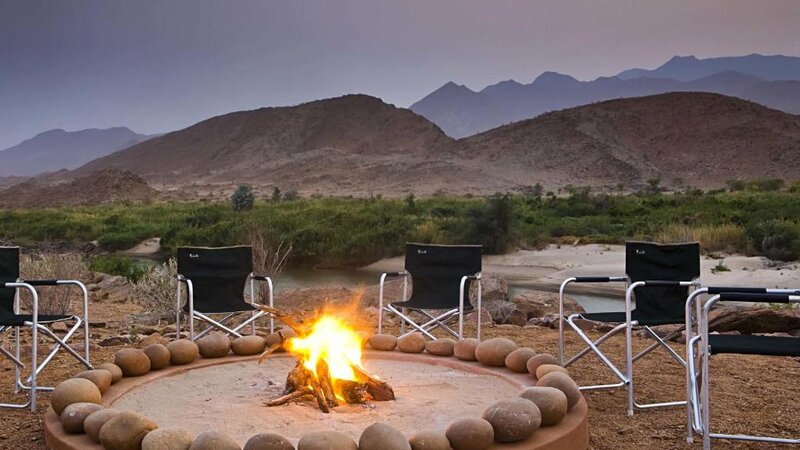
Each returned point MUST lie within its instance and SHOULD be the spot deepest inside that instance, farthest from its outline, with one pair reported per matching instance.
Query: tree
(243, 198)
(654, 185)
(276, 194)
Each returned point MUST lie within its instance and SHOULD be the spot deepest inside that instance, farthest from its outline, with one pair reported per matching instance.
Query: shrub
(242, 199)
(269, 257)
(712, 238)
(776, 239)
(155, 289)
(53, 299)
(118, 265)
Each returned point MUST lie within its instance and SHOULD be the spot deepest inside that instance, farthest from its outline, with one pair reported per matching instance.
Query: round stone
(214, 345)
(383, 342)
(380, 436)
(132, 361)
(182, 351)
(74, 390)
(538, 360)
(280, 336)
(552, 403)
(95, 421)
(125, 431)
(565, 384)
(544, 369)
(248, 345)
(158, 354)
(268, 441)
(213, 440)
(169, 438)
(100, 377)
(429, 440)
(441, 347)
(465, 349)
(74, 415)
(470, 434)
(517, 361)
(326, 440)
(116, 372)
(493, 352)
(412, 343)
(513, 420)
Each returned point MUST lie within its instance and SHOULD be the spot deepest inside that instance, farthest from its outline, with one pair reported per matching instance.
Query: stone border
(572, 433)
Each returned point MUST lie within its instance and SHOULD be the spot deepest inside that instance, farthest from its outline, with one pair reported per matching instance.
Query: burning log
(316, 379)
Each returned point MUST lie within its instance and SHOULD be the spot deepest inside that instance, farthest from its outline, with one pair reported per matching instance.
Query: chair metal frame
(698, 406)
(626, 377)
(440, 321)
(235, 331)
(32, 387)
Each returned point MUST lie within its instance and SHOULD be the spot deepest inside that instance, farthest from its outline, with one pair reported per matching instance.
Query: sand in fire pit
(229, 397)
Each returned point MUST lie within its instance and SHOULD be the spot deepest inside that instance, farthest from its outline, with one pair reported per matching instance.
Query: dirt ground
(754, 393)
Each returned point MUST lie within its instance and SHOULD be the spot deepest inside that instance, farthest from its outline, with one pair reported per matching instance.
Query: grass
(349, 232)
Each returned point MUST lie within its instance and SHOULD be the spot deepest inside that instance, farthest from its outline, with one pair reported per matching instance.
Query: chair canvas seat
(19, 320)
(754, 345)
(619, 317)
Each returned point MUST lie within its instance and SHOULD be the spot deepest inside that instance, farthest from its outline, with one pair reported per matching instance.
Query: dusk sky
(157, 66)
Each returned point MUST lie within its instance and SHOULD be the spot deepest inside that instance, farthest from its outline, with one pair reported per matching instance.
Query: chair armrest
(669, 283)
(41, 282)
(599, 279)
(396, 274)
(759, 297)
(261, 277)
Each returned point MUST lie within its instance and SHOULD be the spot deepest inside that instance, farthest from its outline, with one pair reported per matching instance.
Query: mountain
(462, 112)
(687, 68)
(351, 144)
(58, 149)
(700, 139)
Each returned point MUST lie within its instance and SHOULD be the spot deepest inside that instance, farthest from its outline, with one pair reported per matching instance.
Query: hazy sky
(156, 66)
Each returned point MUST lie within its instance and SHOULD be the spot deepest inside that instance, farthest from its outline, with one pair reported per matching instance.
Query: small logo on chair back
(422, 252)
(639, 251)
(193, 255)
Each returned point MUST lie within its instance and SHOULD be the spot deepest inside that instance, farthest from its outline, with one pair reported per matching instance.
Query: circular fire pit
(227, 395)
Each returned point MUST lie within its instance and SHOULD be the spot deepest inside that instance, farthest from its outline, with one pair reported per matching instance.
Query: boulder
(552, 403)
(470, 434)
(125, 431)
(95, 421)
(542, 358)
(493, 352)
(465, 349)
(761, 320)
(74, 390)
(100, 377)
(517, 361)
(182, 351)
(326, 440)
(513, 420)
(154, 338)
(214, 440)
(74, 415)
(169, 438)
(268, 441)
(159, 356)
(540, 303)
(380, 436)
(383, 342)
(412, 343)
(441, 347)
(544, 369)
(116, 372)
(132, 361)
(501, 311)
(248, 345)
(493, 289)
(565, 384)
(214, 345)
(279, 336)
(429, 440)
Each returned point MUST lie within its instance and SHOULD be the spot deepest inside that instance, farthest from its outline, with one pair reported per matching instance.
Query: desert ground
(749, 393)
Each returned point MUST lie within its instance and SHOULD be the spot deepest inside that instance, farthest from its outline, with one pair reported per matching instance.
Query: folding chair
(441, 277)
(698, 396)
(660, 276)
(12, 319)
(215, 281)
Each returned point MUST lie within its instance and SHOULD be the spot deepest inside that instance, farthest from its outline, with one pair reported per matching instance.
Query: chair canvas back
(436, 272)
(218, 276)
(662, 262)
(9, 273)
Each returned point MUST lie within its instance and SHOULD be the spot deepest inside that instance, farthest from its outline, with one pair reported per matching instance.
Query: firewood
(353, 391)
(272, 349)
(378, 389)
(326, 384)
(288, 397)
(299, 378)
(291, 323)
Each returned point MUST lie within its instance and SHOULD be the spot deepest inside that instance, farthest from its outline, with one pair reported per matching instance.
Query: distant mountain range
(58, 149)
(773, 81)
(357, 145)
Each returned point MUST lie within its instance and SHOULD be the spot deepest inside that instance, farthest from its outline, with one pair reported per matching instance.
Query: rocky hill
(58, 149)
(693, 138)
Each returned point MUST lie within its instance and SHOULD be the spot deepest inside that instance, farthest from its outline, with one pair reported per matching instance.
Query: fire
(333, 341)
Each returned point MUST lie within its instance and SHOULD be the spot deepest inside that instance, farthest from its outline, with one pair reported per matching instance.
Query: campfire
(329, 368)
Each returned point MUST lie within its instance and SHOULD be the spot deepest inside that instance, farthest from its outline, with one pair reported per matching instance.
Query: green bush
(242, 199)
(119, 265)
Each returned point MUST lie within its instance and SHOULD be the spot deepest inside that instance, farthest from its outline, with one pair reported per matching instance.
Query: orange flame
(333, 341)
